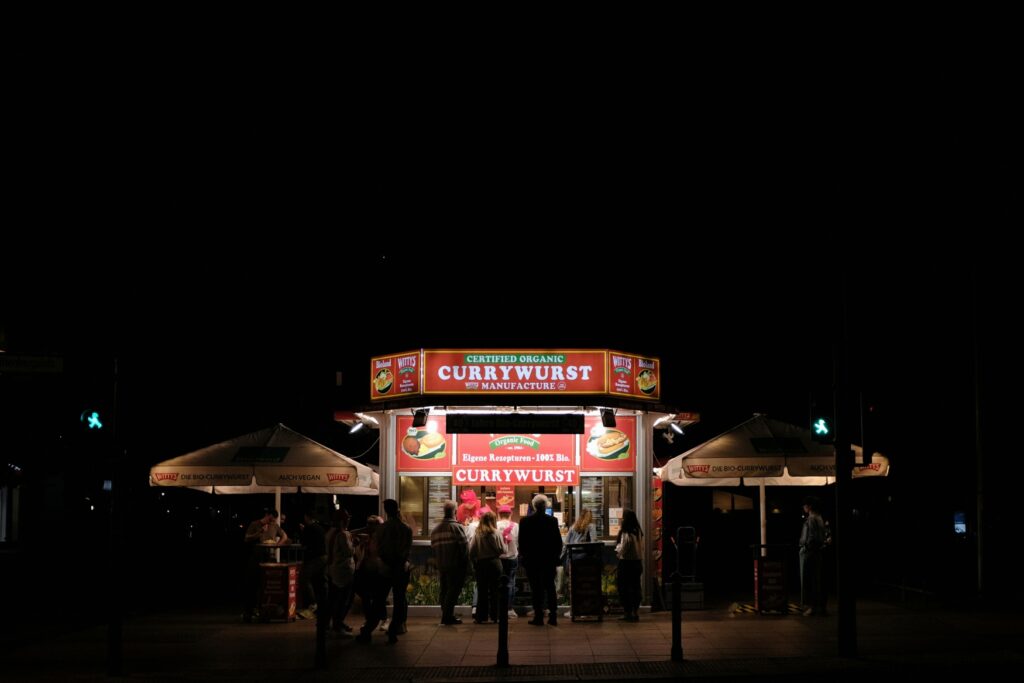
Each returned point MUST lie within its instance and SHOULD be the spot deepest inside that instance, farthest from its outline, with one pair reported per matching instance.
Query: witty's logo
(338, 476)
(622, 364)
(692, 469)
(166, 476)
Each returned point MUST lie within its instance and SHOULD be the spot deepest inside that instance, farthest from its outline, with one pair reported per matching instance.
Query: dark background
(235, 237)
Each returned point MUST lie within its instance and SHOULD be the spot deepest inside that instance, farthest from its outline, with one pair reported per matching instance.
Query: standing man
(540, 546)
(451, 552)
(314, 565)
(261, 531)
(394, 543)
(812, 544)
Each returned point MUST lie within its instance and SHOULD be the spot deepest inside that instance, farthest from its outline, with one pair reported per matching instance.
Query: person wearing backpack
(509, 531)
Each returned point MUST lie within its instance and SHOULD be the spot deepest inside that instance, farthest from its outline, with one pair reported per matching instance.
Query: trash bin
(585, 567)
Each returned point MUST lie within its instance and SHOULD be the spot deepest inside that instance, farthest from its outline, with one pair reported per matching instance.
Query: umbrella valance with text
(264, 460)
(763, 449)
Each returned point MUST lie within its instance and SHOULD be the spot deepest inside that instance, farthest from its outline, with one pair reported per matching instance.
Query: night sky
(235, 248)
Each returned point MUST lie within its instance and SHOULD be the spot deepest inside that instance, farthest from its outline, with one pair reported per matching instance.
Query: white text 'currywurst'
(514, 476)
(504, 373)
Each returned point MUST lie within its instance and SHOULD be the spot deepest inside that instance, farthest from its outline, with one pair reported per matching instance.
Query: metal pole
(677, 617)
(503, 621)
(764, 520)
(847, 605)
(115, 659)
(979, 523)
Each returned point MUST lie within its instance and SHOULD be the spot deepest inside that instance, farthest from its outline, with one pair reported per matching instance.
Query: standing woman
(486, 550)
(583, 531)
(630, 550)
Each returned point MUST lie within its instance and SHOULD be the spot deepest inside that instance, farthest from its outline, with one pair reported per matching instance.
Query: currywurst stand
(502, 425)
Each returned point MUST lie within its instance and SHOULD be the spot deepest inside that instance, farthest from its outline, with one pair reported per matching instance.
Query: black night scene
(196, 269)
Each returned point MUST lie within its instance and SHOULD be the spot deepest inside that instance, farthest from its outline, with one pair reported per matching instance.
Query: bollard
(677, 617)
(503, 620)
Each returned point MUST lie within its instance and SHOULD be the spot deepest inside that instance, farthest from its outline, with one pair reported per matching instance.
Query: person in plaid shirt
(451, 552)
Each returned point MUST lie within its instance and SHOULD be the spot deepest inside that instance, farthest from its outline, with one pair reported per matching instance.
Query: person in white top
(509, 531)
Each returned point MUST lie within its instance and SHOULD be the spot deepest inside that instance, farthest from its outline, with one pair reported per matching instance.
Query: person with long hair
(486, 550)
(583, 531)
(630, 551)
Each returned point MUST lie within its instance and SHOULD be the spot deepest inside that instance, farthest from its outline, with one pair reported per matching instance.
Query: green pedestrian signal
(821, 430)
(91, 419)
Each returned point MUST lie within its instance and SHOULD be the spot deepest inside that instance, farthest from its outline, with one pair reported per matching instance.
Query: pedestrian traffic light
(823, 416)
(822, 429)
(92, 419)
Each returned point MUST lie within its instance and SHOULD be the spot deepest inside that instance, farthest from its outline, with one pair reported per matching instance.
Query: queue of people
(373, 562)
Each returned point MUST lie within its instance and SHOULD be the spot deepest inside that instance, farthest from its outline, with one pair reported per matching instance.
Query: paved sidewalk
(717, 644)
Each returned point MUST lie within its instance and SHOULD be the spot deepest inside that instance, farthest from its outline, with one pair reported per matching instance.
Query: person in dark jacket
(394, 543)
(812, 545)
(314, 565)
(540, 548)
(451, 553)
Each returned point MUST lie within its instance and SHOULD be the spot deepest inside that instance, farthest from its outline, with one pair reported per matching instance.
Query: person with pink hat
(470, 507)
(509, 531)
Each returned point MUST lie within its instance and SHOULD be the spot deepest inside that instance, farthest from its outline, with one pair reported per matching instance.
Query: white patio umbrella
(273, 460)
(764, 452)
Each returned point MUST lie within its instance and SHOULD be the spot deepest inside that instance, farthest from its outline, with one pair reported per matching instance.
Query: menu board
(439, 489)
(592, 498)
(614, 521)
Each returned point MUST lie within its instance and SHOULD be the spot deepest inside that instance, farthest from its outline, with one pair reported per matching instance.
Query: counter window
(606, 498)
(519, 498)
(421, 500)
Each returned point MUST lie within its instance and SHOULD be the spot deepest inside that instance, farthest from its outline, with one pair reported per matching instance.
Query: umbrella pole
(277, 506)
(764, 520)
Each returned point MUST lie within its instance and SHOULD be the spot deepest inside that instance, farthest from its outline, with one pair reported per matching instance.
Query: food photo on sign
(609, 449)
(427, 448)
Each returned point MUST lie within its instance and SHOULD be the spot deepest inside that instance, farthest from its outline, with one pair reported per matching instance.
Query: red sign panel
(506, 495)
(514, 372)
(517, 476)
(631, 375)
(521, 450)
(608, 449)
(423, 449)
(514, 459)
(395, 375)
